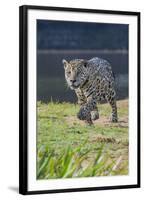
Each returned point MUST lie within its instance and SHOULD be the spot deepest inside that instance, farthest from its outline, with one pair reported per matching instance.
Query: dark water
(51, 84)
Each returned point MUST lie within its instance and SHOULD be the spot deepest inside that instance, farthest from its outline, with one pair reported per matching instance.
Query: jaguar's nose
(72, 81)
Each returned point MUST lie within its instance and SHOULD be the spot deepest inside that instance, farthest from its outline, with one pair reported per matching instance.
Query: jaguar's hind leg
(114, 117)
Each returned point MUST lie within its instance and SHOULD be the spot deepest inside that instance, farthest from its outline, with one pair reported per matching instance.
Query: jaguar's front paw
(94, 115)
(81, 114)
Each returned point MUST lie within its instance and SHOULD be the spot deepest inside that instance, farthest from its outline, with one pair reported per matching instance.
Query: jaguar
(93, 81)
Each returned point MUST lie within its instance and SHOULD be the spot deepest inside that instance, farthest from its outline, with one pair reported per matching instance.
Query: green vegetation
(67, 147)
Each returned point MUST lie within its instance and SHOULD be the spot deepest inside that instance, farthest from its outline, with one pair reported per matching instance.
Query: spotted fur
(93, 81)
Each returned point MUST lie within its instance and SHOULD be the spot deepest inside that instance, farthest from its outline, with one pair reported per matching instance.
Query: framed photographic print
(79, 100)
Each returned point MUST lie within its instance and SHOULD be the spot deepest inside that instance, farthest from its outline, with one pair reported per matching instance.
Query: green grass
(67, 147)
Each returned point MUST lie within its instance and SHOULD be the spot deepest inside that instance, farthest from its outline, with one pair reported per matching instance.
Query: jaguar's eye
(69, 72)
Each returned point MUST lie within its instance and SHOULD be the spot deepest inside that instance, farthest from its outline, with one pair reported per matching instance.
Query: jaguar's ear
(85, 63)
(65, 63)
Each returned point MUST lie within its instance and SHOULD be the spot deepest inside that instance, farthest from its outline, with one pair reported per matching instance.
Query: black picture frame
(23, 98)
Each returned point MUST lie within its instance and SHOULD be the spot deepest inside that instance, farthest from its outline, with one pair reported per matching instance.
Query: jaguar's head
(75, 72)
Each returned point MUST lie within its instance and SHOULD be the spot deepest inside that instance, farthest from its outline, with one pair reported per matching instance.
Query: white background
(34, 184)
(9, 98)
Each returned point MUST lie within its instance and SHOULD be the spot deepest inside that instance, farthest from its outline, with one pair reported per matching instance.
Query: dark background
(69, 40)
